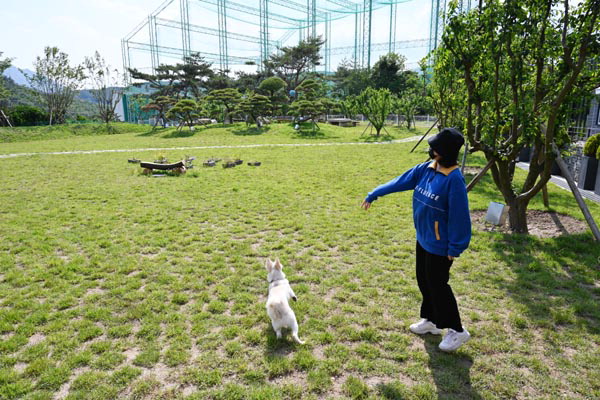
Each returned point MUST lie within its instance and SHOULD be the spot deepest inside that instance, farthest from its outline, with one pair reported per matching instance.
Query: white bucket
(496, 213)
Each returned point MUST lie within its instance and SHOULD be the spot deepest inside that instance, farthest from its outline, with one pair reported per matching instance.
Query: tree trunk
(517, 212)
(517, 216)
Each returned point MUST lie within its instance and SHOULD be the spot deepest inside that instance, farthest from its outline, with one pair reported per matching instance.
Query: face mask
(431, 154)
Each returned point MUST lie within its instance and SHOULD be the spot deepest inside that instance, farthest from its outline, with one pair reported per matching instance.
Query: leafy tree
(518, 67)
(245, 81)
(4, 64)
(209, 109)
(387, 72)
(219, 80)
(350, 81)
(407, 105)
(107, 87)
(329, 105)
(292, 64)
(160, 105)
(56, 82)
(309, 104)
(227, 98)
(185, 111)
(254, 106)
(375, 105)
(349, 107)
(273, 87)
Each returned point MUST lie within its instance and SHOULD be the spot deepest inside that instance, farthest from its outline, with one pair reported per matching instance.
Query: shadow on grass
(278, 348)
(183, 133)
(556, 280)
(309, 134)
(381, 138)
(157, 131)
(451, 371)
(250, 131)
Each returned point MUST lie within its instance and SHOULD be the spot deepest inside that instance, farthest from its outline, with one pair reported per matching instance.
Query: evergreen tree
(185, 111)
(293, 64)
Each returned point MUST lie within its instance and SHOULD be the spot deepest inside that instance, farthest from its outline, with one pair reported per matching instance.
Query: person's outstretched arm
(406, 181)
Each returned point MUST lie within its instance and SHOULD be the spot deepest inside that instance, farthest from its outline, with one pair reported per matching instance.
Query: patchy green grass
(119, 285)
(131, 136)
(66, 131)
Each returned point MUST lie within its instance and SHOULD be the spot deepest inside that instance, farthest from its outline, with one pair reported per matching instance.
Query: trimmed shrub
(591, 146)
(26, 115)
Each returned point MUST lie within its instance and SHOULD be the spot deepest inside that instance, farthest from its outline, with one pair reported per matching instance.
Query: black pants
(439, 305)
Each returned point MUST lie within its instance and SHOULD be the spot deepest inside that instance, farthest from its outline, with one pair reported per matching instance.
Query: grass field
(119, 285)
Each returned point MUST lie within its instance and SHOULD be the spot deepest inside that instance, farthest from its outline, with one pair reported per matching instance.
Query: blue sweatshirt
(440, 206)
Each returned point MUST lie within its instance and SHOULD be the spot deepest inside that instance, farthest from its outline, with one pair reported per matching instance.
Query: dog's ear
(278, 265)
(268, 265)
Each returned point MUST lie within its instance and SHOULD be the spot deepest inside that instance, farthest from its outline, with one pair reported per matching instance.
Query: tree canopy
(185, 111)
(4, 64)
(375, 105)
(509, 73)
(107, 86)
(182, 80)
(254, 106)
(292, 64)
(227, 98)
(56, 82)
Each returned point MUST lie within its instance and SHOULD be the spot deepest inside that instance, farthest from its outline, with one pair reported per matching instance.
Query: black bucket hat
(447, 143)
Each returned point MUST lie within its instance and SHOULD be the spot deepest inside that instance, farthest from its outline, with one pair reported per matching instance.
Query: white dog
(278, 308)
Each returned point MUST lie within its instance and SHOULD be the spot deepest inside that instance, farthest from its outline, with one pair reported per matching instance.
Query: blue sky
(77, 27)
(80, 27)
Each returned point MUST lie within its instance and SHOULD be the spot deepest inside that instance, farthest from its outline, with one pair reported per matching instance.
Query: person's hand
(366, 205)
(450, 258)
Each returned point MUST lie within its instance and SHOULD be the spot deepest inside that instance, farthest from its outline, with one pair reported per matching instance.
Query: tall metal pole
(311, 19)
(185, 27)
(153, 42)
(364, 33)
(264, 30)
(126, 62)
(369, 43)
(314, 19)
(327, 42)
(356, 29)
(392, 40)
(222, 17)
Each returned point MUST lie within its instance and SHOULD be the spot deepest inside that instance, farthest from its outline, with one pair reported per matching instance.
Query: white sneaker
(425, 326)
(453, 340)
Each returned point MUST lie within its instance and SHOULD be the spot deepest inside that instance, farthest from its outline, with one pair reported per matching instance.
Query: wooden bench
(342, 122)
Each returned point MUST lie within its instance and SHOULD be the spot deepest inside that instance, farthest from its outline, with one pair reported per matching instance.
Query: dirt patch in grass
(35, 339)
(471, 170)
(543, 224)
(94, 291)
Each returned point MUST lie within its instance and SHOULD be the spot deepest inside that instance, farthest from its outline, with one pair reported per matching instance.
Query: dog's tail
(296, 338)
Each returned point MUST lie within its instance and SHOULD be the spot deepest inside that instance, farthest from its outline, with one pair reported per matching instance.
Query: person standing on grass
(443, 224)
